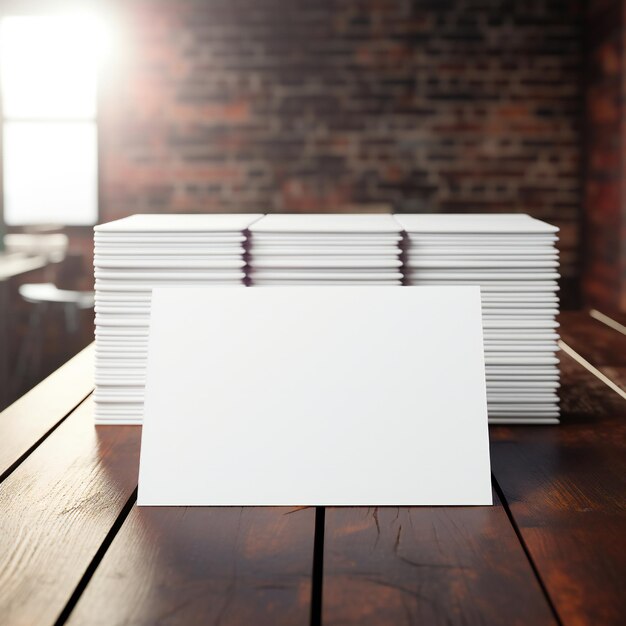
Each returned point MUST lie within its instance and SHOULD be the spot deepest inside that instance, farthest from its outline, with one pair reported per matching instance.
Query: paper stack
(329, 249)
(515, 261)
(133, 255)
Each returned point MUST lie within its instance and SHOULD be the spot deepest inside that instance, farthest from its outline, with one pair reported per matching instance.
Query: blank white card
(315, 396)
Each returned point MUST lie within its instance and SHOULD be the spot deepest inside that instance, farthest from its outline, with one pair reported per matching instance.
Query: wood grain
(427, 565)
(57, 508)
(204, 565)
(28, 419)
(566, 488)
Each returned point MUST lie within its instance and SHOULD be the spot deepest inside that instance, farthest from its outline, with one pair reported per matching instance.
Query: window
(48, 71)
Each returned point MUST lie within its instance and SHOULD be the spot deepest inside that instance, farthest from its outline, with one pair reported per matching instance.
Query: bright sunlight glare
(49, 70)
(49, 65)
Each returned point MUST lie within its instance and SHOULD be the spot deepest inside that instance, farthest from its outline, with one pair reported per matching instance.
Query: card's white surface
(319, 283)
(325, 223)
(261, 251)
(514, 223)
(472, 240)
(304, 274)
(136, 288)
(315, 396)
(142, 240)
(325, 239)
(462, 252)
(137, 263)
(171, 223)
(118, 274)
(326, 262)
(486, 275)
(462, 265)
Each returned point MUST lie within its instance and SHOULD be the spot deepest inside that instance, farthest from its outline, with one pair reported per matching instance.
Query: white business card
(315, 396)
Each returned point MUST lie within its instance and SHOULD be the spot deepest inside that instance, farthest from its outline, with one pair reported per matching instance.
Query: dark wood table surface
(75, 549)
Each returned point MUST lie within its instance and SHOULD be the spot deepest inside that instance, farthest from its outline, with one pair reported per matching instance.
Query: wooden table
(75, 549)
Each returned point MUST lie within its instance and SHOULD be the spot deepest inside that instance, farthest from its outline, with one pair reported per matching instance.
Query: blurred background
(144, 106)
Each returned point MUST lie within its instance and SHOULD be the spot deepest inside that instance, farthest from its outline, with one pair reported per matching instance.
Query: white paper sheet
(480, 223)
(327, 223)
(315, 396)
(196, 225)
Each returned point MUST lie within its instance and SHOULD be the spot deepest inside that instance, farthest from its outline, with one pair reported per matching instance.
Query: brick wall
(293, 105)
(604, 226)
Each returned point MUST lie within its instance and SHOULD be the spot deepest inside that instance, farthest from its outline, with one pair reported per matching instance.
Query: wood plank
(427, 565)
(57, 508)
(566, 488)
(233, 565)
(28, 419)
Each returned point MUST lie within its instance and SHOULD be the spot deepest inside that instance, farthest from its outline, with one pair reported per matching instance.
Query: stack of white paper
(515, 261)
(132, 256)
(329, 249)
